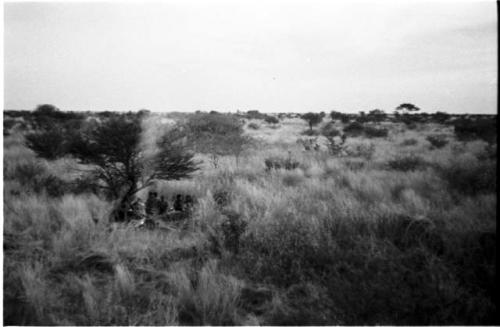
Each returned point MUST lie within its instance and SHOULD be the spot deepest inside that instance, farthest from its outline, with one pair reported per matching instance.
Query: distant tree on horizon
(407, 108)
(312, 119)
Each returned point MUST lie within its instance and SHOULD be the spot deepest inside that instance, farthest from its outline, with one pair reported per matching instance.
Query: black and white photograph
(249, 163)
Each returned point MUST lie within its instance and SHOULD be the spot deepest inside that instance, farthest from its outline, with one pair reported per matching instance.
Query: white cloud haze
(271, 56)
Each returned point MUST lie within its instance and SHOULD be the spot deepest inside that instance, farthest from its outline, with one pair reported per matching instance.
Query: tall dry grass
(338, 240)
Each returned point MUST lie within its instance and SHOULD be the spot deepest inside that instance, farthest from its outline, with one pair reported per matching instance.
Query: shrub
(254, 126)
(50, 143)
(376, 132)
(310, 132)
(361, 150)
(437, 141)
(406, 163)
(440, 117)
(271, 119)
(255, 114)
(354, 129)
(329, 130)
(54, 186)
(471, 176)
(34, 177)
(489, 152)
(482, 128)
(7, 125)
(376, 115)
(24, 172)
(409, 142)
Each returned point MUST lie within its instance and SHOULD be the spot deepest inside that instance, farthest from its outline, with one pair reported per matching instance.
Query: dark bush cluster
(50, 143)
(372, 132)
(271, 119)
(253, 126)
(479, 128)
(471, 177)
(406, 163)
(354, 129)
(310, 132)
(329, 130)
(409, 142)
(344, 118)
(437, 141)
(35, 178)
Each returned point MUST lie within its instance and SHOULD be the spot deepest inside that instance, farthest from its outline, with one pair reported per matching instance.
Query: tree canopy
(112, 149)
(312, 119)
(407, 107)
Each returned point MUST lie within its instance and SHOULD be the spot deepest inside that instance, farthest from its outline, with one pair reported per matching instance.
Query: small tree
(312, 119)
(335, 115)
(216, 135)
(407, 108)
(377, 115)
(120, 167)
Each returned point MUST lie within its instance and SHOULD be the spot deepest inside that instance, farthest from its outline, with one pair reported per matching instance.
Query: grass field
(394, 232)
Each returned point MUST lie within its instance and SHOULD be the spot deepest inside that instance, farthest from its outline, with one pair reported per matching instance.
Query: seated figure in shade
(162, 205)
(178, 203)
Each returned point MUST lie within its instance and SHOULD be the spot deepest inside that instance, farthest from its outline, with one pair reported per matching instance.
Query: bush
(254, 126)
(482, 128)
(310, 132)
(49, 143)
(437, 141)
(361, 150)
(471, 176)
(271, 120)
(409, 142)
(354, 129)
(24, 172)
(35, 177)
(406, 163)
(329, 130)
(375, 132)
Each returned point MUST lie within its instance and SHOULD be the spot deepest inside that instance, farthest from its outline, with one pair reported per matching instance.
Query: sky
(271, 56)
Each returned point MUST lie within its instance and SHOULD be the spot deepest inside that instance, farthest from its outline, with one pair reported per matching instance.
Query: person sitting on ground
(162, 205)
(188, 202)
(178, 202)
(152, 204)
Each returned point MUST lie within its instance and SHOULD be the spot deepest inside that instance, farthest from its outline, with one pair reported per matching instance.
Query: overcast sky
(270, 56)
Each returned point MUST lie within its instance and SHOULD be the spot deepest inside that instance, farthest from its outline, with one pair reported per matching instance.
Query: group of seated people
(159, 206)
(154, 206)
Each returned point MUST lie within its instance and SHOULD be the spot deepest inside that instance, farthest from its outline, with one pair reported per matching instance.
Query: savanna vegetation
(298, 220)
